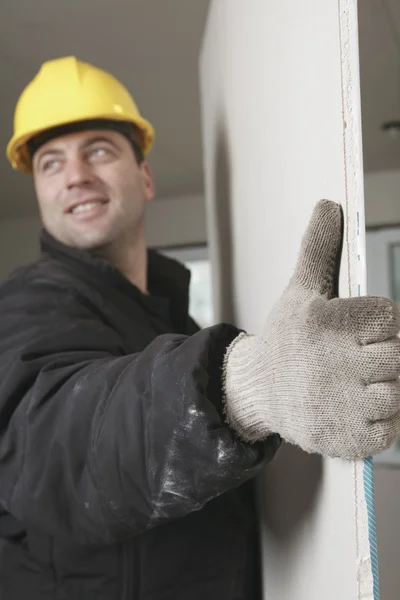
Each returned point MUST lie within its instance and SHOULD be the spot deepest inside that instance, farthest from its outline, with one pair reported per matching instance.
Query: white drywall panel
(281, 130)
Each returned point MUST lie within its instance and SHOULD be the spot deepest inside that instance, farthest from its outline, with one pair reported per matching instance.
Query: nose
(77, 173)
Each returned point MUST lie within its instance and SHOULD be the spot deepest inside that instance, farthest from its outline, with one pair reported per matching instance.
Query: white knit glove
(324, 374)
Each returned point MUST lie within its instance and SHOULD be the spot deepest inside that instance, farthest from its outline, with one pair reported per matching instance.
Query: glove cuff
(243, 385)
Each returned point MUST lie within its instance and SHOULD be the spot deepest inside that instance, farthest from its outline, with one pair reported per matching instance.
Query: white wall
(176, 221)
(382, 198)
(277, 110)
(170, 222)
(378, 256)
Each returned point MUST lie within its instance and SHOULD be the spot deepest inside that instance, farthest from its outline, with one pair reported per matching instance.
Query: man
(128, 438)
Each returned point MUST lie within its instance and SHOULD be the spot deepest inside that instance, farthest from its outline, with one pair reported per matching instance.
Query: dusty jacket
(119, 478)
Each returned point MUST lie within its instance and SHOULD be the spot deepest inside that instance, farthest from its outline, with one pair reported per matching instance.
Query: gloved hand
(324, 374)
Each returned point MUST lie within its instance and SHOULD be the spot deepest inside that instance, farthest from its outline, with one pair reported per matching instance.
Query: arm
(101, 446)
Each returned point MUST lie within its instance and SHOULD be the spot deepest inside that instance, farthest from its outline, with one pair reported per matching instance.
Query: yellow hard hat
(65, 91)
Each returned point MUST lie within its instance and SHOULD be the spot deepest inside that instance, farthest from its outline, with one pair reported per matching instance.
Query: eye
(50, 165)
(99, 152)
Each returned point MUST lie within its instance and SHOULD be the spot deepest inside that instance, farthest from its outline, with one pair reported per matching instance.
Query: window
(195, 258)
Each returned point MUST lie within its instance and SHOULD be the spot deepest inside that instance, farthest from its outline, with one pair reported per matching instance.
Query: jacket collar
(166, 277)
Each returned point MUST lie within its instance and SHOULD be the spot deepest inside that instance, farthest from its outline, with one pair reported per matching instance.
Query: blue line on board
(370, 500)
(369, 492)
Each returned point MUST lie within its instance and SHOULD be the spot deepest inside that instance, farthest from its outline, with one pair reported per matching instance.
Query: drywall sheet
(281, 125)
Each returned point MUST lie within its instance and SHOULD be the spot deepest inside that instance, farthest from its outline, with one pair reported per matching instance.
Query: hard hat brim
(19, 157)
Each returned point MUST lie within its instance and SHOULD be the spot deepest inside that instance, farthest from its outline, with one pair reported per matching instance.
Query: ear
(148, 181)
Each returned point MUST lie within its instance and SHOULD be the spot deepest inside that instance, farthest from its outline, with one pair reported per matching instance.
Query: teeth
(85, 207)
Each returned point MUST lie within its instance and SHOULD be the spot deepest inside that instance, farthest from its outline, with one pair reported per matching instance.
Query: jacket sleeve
(99, 446)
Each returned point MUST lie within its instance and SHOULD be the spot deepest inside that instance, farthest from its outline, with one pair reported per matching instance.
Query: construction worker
(129, 440)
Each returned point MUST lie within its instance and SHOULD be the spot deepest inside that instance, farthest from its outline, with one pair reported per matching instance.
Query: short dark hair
(126, 128)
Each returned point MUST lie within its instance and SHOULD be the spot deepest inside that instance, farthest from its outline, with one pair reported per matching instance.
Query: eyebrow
(97, 138)
(49, 151)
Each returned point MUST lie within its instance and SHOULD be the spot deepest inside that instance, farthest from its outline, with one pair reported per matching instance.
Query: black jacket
(119, 479)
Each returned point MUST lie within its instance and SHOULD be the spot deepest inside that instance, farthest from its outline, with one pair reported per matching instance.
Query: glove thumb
(319, 261)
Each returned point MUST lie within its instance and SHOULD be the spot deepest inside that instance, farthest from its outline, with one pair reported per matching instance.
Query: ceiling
(153, 47)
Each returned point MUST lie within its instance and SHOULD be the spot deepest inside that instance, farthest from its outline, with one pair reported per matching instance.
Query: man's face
(90, 189)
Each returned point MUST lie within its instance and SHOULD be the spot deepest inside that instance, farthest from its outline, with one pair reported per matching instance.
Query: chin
(93, 237)
(88, 241)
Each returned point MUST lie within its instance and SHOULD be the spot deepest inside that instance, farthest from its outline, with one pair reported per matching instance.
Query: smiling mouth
(86, 206)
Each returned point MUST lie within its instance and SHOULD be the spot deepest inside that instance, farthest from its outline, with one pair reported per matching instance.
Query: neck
(130, 259)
